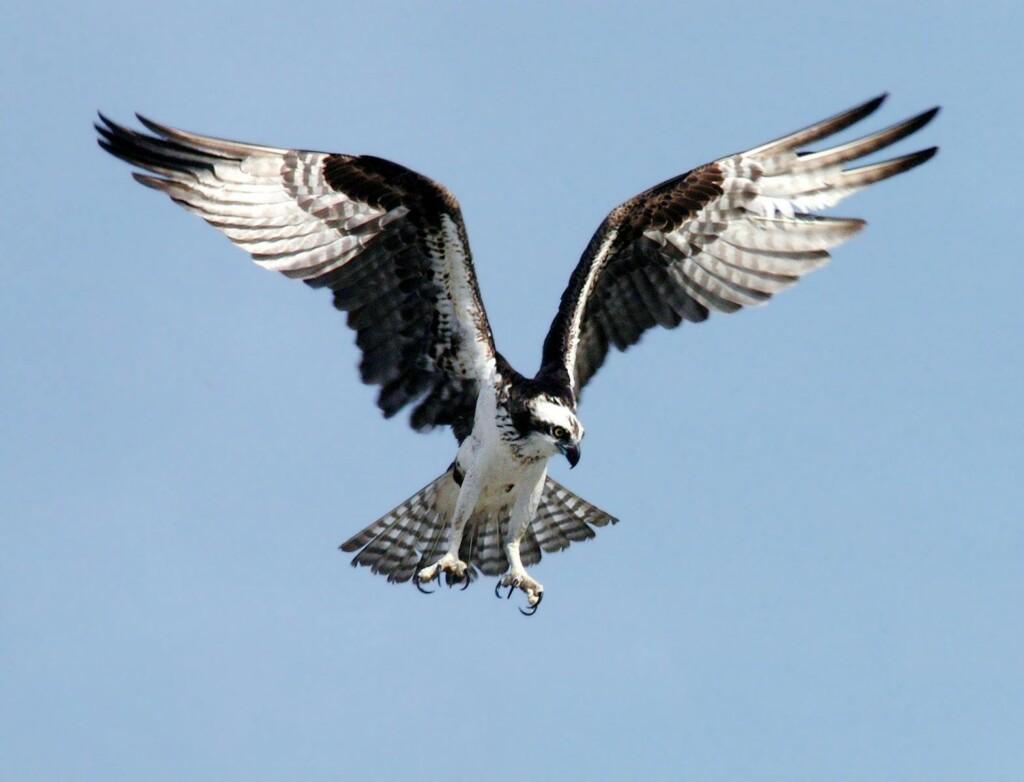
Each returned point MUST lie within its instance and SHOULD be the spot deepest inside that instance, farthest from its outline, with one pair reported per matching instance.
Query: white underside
(496, 481)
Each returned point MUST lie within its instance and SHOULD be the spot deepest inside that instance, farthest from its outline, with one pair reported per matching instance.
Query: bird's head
(553, 426)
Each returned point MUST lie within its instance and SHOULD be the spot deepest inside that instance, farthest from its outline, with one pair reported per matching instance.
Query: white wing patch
(461, 309)
(580, 305)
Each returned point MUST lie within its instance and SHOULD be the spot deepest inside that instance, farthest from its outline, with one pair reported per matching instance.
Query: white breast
(502, 473)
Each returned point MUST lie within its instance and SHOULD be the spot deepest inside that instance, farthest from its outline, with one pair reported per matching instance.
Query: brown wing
(387, 241)
(721, 237)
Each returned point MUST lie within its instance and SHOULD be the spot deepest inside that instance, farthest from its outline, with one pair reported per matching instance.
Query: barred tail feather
(399, 542)
(489, 529)
(415, 534)
(565, 518)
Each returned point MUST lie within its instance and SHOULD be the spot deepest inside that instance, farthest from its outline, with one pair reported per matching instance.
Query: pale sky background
(819, 573)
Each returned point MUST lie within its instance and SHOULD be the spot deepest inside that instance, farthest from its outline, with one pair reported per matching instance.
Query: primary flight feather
(392, 246)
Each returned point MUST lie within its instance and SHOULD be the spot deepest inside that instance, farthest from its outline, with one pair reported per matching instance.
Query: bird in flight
(392, 247)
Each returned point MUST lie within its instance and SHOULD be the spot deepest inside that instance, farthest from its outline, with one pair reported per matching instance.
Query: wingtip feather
(823, 128)
(872, 104)
(876, 172)
(153, 126)
(156, 183)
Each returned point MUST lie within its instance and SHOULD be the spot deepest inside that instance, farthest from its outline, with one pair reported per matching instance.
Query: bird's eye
(559, 432)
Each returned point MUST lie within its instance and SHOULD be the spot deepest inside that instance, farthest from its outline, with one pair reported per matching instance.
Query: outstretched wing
(389, 242)
(721, 237)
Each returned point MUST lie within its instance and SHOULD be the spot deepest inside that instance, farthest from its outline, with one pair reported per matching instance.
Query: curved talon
(465, 586)
(419, 586)
(533, 609)
(511, 589)
(497, 587)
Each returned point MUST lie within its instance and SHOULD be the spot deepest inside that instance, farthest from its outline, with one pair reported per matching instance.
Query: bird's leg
(517, 578)
(450, 564)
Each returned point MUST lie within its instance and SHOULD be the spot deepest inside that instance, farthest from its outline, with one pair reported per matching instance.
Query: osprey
(391, 245)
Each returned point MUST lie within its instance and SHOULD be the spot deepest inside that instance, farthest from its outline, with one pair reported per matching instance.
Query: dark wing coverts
(724, 236)
(389, 242)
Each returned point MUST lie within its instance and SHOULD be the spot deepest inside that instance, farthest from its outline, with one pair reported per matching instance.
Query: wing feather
(722, 237)
(387, 241)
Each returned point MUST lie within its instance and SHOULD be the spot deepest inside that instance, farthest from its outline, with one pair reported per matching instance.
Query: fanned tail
(415, 534)
(562, 518)
(410, 536)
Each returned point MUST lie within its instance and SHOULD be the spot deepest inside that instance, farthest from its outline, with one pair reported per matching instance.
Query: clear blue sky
(819, 572)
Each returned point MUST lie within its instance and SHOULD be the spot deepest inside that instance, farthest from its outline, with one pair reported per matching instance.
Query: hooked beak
(572, 454)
